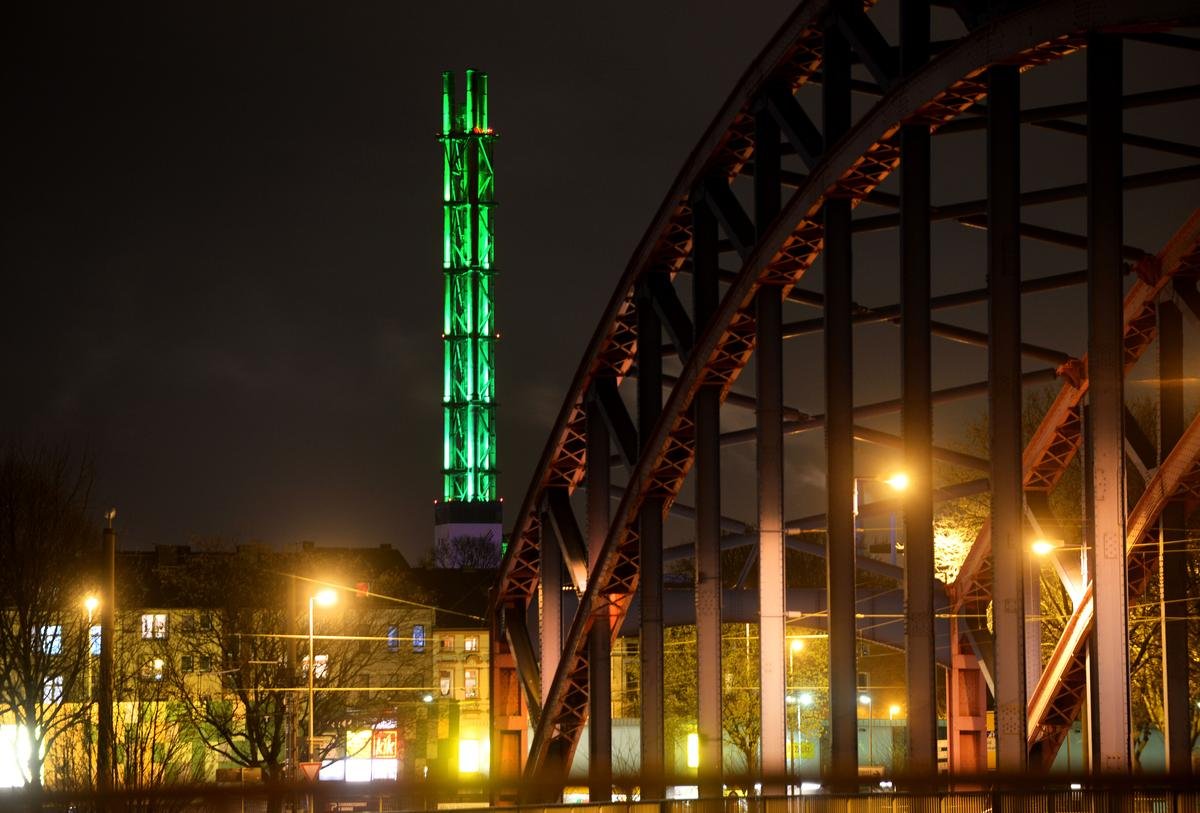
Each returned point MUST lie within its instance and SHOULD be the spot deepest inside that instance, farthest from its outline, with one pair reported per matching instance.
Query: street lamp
(90, 603)
(325, 598)
(865, 699)
(893, 710)
(899, 481)
(1043, 547)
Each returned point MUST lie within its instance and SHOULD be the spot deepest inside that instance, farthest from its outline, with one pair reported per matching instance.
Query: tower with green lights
(469, 504)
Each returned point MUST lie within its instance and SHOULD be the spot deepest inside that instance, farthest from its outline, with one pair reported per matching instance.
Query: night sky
(222, 228)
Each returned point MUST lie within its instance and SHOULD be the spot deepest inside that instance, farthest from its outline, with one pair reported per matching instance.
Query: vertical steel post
(1004, 413)
(839, 433)
(1105, 435)
(600, 640)
(707, 412)
(1172, 551)
(106, 741)
(772, 611)
(550, 585)
(649, 406)
(917, 410)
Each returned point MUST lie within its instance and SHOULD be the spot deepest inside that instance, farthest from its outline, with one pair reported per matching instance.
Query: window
(445, 679)
(154, 625)
(52, 639)
(864, 680)
(206, 622)
(186, 663)
(471, 643)
(321, 666)
(206, 663)
(52, 691)
(418, 637)
(187, 623)
(153, 669)
(393, 639)
(470, 683)
(94, 634)
(448, 642)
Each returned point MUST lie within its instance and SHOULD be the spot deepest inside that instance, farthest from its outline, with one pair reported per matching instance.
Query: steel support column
(917, 410)
(772, 606)
(707, 412)
(1004, 414)
(839, 433)
(600, 643)
(550, 609)
(649, 406)
(1172, 551)
(1105, 430)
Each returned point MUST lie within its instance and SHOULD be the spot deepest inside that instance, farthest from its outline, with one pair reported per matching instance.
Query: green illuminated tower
(468, 323)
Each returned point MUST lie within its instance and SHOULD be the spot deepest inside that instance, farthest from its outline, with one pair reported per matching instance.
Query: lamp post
(898, 481)
(325, 598)
(865, 699)
(90, 603)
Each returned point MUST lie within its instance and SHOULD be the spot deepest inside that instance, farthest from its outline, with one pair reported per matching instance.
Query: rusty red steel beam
(1057, 438)
(1059, 693)
(853, 167)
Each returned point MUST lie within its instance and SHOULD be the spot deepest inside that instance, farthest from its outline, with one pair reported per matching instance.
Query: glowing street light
(893, 710)
(898, 481)
(1043, 547)
(90, 604)
(325, 598)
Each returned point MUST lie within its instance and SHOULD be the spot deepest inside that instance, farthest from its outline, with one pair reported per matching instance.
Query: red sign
(384, 745)
(310, 770)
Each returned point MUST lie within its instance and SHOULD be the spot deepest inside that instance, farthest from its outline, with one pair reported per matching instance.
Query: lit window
(471, 643)
(154, 625)
(393, 639)
(52, 639)
(444, 683)
(52, 691)
(153, 669)
(321, 668)
(470, 683)
(94, 634)
(418, 637)
(447, 642)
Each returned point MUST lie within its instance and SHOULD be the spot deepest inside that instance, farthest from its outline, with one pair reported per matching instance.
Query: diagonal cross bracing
(1059, 694)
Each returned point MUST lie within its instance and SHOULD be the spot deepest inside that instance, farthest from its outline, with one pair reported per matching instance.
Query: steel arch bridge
(845, 99)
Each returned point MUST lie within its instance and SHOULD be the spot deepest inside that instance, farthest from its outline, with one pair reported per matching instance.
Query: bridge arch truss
(786, 182)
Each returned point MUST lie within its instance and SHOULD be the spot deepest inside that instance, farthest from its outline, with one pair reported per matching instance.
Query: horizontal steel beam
(1037, 197)
(1056, 237)
(965, 124)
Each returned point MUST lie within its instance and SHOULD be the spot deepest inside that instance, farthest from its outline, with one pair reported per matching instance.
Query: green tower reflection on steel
(468, 323)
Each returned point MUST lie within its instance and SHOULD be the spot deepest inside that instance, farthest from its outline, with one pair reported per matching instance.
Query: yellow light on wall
(693, 750)
(468, 756)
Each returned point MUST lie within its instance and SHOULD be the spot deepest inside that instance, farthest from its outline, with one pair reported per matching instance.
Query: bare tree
(467, 552)
(45, 538)
(232, 672)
